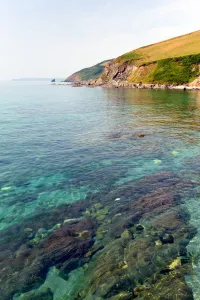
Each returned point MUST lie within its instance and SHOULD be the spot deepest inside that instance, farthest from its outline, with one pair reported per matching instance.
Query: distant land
(171, 62)
(90, 73)
(37, 79)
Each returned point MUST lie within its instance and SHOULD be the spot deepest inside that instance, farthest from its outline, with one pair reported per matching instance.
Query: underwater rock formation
(129, 240)
(44, 294)
(136, 258)
(28, 265)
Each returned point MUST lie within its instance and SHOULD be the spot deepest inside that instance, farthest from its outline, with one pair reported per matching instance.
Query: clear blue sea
(75, 160)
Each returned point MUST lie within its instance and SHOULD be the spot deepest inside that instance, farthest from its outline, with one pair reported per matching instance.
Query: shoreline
(131, 86)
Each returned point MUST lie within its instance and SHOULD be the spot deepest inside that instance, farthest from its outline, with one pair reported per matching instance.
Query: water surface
(90, 154)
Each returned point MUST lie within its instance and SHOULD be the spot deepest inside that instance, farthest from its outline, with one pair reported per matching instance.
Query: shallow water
(61, 145)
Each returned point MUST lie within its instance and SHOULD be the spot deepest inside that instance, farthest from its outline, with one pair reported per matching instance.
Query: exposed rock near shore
(77, 84)
(150, 86)
(125, 84)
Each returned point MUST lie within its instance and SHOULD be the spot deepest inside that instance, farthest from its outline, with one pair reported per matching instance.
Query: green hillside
(174, 61)
(179, 46)
(90, 73)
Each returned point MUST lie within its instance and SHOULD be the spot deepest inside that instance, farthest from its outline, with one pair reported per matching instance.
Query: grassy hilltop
(179, 46)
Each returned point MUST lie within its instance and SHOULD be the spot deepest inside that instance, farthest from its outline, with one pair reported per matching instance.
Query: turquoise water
(65, 150)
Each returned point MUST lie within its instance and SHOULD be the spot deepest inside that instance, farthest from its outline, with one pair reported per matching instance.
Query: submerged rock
(123, 296)
(169, 287)
(63, 249)
(94, 250)
(42, 294)
(176, 263)
(168, 239)
(126, 261)
(140, 135)
(128, 255)
(139, 289)
(139, 227)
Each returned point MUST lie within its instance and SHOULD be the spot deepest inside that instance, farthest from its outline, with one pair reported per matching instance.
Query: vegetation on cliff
(178, 70)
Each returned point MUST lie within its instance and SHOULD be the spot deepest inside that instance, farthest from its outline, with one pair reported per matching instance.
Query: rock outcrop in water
(131, 242)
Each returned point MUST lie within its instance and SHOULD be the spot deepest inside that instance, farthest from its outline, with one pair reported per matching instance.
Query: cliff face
(115, 72)
(177, 71)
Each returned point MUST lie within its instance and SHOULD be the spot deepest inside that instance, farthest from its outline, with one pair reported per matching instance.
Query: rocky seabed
(128, 243)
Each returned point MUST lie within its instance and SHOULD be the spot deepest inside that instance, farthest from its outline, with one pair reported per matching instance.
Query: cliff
(172, 71)
(172, 62)
(175, 61)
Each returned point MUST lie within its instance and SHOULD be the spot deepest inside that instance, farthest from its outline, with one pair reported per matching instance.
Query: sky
(54, 38)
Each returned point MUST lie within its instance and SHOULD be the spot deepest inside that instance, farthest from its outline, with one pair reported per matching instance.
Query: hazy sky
(53, 38)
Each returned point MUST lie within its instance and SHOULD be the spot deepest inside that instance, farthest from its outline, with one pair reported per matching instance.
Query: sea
(99, 193)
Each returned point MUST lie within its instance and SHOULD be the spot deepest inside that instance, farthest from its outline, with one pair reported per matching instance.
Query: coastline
(130, 85)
